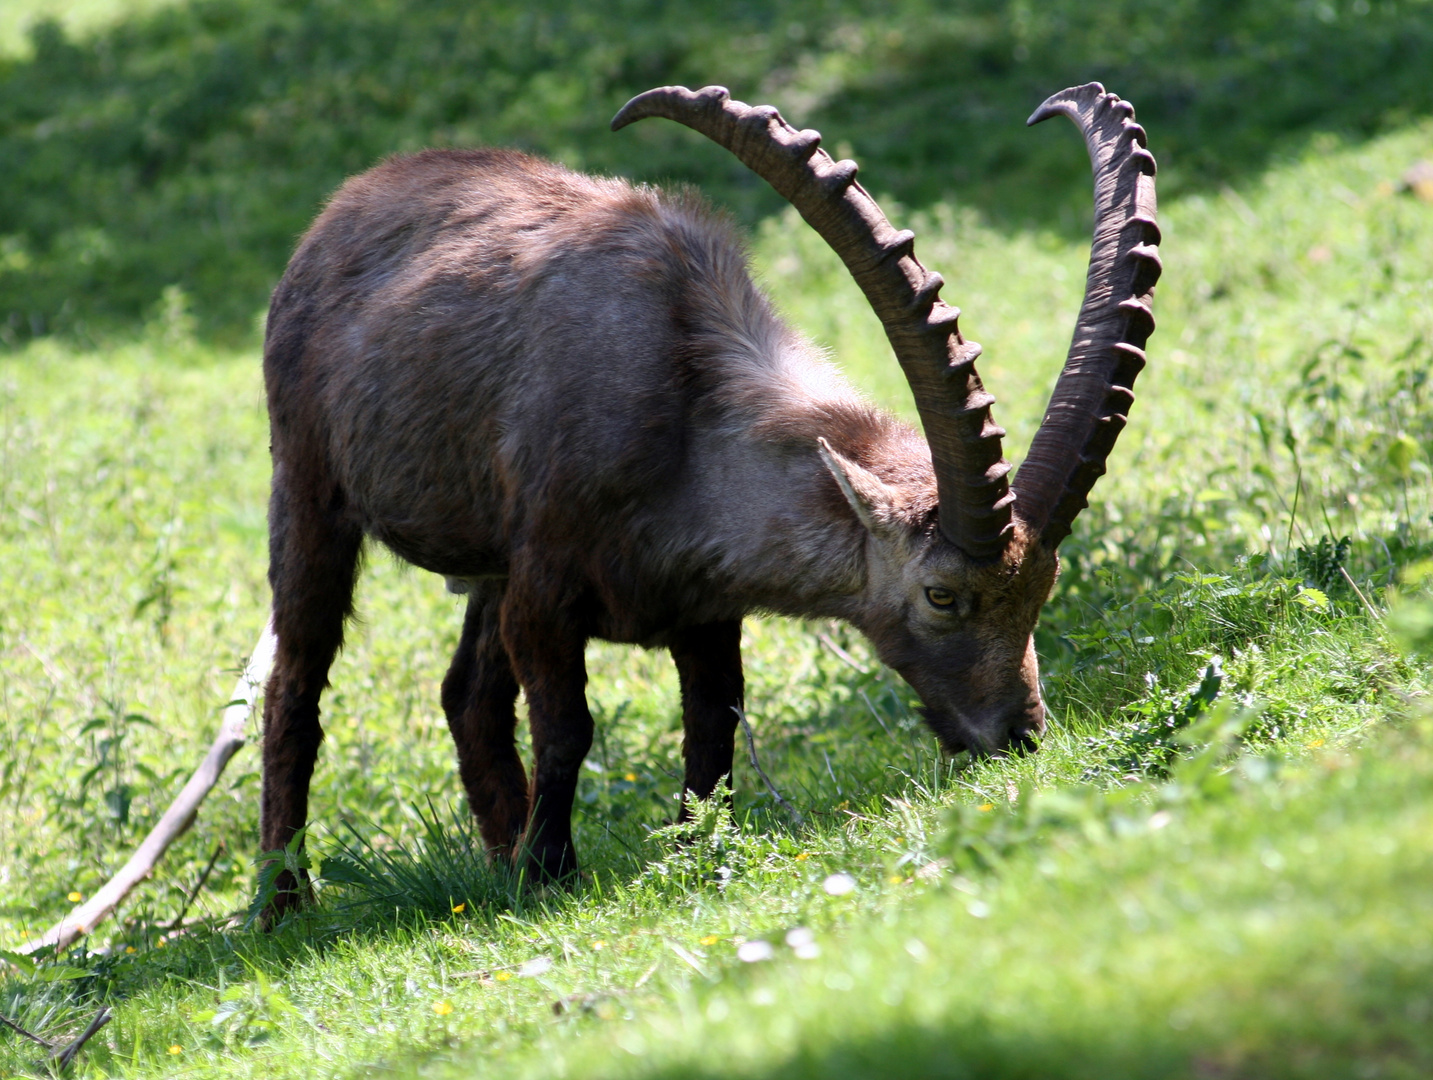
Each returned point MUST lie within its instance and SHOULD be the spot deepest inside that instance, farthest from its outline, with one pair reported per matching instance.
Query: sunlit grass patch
(1276, 925)
(443, 872)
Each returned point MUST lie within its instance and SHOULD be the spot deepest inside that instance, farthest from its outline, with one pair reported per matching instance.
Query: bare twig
(874, 711)
(182, 810)
(194, 892)
(46, 1043)
(832, 774)
(67, 1055)
(841, 653)
(1377, 620)
(795, 814)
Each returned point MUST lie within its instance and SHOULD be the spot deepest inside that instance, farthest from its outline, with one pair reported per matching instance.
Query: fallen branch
(180, 815)
(841, 654)
(194, 892)
(46, 1043)
(1372, 614)
(795, 814)
(67, 1055)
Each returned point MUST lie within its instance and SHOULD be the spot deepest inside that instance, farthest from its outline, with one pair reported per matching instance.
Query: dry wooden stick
(46, 1043)
(796, 817)
(841, 653)
(182, 810)
(194, 892)
(1372, 614)
(67, 1055)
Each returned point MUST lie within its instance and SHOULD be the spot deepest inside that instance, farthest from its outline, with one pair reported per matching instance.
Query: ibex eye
(941, 598)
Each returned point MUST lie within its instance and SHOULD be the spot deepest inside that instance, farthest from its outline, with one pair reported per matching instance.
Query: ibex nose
(1023, 733)
(1036, 719)
(1024, 741)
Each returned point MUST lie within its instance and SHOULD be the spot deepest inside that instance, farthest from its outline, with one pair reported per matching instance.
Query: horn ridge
(965, 444)
(1089, 405)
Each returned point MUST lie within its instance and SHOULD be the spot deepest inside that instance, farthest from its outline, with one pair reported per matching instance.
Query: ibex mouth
(957, 736)
(1024, 742)
(954, 735)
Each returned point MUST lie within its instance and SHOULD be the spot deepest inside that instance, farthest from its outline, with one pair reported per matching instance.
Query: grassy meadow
(1217, 865)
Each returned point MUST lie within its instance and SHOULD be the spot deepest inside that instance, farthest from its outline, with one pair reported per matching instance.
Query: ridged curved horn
(1091, 401)
(939, 365)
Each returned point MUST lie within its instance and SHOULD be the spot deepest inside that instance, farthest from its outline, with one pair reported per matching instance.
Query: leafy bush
(708, 848)
(1322, 565)
(1151, 731)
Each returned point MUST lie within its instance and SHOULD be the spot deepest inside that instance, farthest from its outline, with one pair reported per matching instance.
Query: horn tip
(651, 102)
(1065, 103)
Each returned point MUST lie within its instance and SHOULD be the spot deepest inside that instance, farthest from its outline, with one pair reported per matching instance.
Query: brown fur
(565, 395)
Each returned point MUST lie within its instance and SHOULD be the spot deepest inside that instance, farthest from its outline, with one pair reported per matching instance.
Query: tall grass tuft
(444, 872)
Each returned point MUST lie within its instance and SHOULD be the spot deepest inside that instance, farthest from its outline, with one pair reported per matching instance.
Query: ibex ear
(870, 497)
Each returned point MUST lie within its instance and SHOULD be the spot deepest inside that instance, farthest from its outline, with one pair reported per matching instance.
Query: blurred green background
(189, 144)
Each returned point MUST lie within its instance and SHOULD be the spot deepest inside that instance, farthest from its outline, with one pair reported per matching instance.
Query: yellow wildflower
(599, 944)
(710, 939)
(1316, 744)
(176, 1049)
(630, 777)
(985, 807)
(159, 943)
(442, 1008)
(458, 909)
(75, 897)
(803, 856)
(503, 976)
(129, 949)
(895, 879)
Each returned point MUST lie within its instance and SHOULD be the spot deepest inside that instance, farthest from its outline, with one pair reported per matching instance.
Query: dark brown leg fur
(478, 697)
(313, 559)
(547, 656)
(708, 660)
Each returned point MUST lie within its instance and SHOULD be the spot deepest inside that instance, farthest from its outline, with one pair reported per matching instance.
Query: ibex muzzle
(565, 395)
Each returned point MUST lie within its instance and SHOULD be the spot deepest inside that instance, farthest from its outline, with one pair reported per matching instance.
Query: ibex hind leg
(479, 694)
(313, 561)
(546, 650)
(708, 660)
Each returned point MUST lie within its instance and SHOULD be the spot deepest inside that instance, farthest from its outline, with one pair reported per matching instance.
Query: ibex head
(954, 585)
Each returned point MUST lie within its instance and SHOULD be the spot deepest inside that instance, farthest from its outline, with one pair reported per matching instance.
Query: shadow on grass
(191, 145)
(1132, 1048)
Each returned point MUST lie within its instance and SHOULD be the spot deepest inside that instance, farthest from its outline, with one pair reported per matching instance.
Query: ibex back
(565, 395)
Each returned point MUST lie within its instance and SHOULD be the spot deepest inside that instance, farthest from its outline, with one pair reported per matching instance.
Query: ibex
(564, 394)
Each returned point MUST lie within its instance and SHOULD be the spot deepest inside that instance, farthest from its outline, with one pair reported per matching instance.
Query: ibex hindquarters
(486, 362)
(566, 394)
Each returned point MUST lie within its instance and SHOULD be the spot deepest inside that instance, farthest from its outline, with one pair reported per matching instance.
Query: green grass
(187, 144)
(1057, 933)
(1150, 895)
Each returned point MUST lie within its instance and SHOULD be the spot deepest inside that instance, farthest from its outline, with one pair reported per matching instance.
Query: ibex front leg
(708, 660)
(547, 655)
